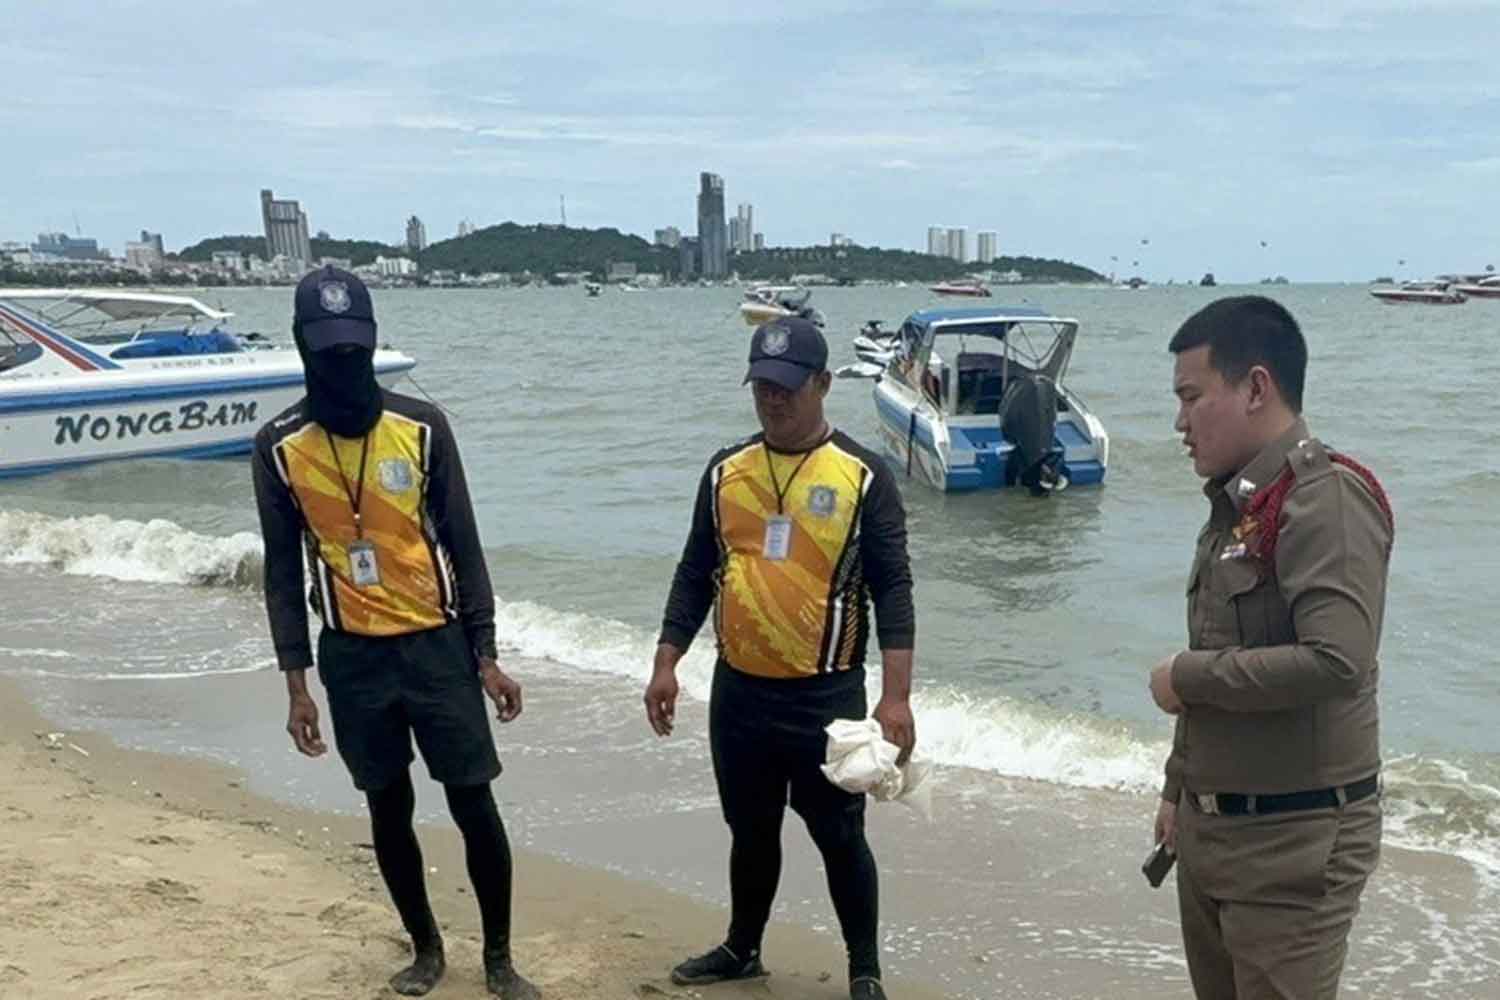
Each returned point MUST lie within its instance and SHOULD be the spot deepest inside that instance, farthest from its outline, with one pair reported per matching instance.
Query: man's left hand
(897, 725)
(503, 690)
(1161, 687)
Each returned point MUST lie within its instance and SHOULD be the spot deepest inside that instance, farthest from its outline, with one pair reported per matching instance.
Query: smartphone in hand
(1157, 864)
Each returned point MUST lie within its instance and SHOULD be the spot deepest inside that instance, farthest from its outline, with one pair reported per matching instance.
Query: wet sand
(1017, 889)
(135, 874)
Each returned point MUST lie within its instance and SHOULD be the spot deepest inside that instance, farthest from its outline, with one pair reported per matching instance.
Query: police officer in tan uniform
(1271, 799)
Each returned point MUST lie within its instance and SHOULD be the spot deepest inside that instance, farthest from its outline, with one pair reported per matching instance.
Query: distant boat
(88, 375)
(1431, 293)
(966, 289)
(965, 400)
(767, 303)
(1485, 288)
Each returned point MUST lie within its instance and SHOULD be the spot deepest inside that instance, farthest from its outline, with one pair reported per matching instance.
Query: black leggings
(768, 742)
(755, 870)
(486, 849)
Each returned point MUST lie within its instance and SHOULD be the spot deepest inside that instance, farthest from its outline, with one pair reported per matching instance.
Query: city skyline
(1326, 142)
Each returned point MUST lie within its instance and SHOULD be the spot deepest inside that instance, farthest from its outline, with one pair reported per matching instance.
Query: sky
(1345, 136)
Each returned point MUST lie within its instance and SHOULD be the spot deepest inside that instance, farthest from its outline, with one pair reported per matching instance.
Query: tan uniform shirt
(1280, 675)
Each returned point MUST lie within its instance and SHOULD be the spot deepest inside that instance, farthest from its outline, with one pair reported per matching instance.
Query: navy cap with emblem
(787, 351)
(333, 307)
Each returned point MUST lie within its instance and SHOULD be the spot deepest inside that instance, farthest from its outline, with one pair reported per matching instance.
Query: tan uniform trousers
(1267, 901)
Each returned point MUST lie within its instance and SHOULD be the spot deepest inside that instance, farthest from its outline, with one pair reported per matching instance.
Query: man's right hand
(661, 701)
(302, 724)
(1166, 825)
(661, 693)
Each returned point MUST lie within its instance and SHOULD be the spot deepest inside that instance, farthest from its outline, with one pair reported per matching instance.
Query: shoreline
(98, 837)
(134, 872)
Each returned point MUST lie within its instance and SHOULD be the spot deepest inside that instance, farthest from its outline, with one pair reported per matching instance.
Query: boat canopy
(62, 306)
(1002, 317)
(1010, 327)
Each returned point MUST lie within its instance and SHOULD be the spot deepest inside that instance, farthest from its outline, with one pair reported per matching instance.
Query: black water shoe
(718, 966)
(418, 979)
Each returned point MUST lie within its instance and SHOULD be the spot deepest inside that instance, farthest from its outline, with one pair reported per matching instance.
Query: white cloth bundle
(859, 760)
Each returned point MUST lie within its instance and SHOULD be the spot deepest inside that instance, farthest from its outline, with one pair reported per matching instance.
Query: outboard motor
(811, 315)
(1028, 417)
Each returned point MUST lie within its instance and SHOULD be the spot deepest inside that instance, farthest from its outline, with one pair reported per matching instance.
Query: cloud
(1202, 119)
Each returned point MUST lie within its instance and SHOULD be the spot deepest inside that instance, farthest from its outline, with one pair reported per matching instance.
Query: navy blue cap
(333, 307)
(787, 351)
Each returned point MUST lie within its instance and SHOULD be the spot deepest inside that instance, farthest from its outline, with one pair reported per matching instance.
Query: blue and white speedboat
(89, 375)
(965, 400)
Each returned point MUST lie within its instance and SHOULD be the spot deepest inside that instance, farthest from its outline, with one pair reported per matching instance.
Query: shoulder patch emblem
(822, 501)
(396, 475)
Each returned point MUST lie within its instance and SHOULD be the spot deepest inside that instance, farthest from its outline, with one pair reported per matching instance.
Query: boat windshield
(16, 349)
(970, 366)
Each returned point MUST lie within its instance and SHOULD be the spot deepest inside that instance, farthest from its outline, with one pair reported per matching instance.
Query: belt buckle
(1208, 803)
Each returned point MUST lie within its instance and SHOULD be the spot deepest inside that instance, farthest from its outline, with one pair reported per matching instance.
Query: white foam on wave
(156, 551)
(600, 645)
(1009, 737)
(36, 654)
(1432, 804)
(152, 675)
(999, 735)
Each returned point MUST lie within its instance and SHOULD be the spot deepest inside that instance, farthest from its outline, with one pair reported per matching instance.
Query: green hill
(355, 251)
(855, 263)
(510, 248)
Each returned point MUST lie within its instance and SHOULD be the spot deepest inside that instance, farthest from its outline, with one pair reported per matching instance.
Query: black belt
(1234, 804)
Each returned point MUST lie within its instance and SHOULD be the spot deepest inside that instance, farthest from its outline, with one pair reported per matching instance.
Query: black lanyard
(781, 491)
(355, 497)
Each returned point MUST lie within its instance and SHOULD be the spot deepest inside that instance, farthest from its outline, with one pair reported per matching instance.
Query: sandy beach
(130, 874)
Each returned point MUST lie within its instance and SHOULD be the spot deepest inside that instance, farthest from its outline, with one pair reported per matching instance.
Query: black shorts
(382, 691)
(769, 745)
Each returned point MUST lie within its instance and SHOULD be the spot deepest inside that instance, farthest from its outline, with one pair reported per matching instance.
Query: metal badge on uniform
(364, 566)
(822, 501)
(778, 542)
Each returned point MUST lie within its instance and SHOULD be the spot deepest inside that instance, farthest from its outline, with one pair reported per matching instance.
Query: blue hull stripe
(223, 449)
(82, 398)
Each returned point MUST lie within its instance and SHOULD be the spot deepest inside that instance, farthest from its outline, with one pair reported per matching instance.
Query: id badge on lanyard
(777, 545)
(778, 541)
(364, 564)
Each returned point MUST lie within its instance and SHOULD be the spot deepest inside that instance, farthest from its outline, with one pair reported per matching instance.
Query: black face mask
(342, 394)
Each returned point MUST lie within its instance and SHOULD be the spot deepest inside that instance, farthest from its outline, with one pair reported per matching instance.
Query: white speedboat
(961, 289)
(90, 375)
(1431, 293)
(964, 400)
(769, 303)
(1487, 287)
